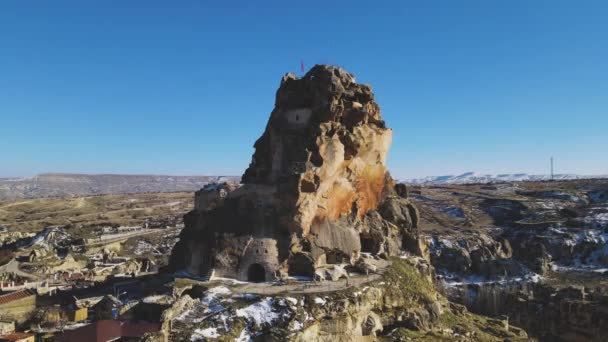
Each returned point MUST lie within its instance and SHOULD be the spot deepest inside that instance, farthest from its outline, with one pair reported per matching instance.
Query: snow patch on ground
(561, 268)
(452, 211)
(319, 300)
(480, 280)
(228, 280)
(597, 220)
(212, 294)
(300, 278)
(296, 326)
(261, 312)
(473, 177)
(74, 326)
(200, 334)
(154, 299)
(593, 236)
(244, 336)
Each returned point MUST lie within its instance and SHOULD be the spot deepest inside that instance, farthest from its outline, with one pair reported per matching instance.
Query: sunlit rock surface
(317, 190)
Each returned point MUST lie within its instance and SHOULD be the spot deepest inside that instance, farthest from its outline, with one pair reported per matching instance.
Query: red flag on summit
(302, 65)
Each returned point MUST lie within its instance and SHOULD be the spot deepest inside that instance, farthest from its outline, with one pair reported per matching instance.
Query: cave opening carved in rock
(256, 273)
(368, 245)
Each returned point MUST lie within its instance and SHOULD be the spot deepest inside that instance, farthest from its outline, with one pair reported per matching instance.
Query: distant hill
(70, 185)
(472, 177)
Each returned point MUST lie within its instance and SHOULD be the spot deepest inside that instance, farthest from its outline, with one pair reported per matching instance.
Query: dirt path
(300, 287)
(13, 266)
(126, 236)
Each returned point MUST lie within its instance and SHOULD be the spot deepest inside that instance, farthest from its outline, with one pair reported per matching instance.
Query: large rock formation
(317, 190)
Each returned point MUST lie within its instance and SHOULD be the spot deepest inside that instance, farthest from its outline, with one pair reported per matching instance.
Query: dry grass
(130, 209)
(470, 198)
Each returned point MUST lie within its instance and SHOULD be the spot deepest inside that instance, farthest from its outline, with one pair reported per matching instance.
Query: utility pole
(551, 168)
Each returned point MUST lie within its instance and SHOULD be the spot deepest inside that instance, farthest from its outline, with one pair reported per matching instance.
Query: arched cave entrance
(368, 245)
(256, 273)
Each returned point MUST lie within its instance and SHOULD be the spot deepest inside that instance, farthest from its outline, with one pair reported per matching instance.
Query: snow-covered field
(473, 177)
(214, 314)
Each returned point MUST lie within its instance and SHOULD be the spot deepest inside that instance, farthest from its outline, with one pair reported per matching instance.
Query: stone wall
(261, 251)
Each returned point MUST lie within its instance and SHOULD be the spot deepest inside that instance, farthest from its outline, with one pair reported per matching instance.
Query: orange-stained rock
(318, 170)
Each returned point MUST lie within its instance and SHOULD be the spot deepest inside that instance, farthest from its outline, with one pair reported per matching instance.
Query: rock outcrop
(317, 190)
(532, 251)
(402, 305)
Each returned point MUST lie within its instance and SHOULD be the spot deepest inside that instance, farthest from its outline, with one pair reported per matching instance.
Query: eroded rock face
(325, 144)
(317, 190)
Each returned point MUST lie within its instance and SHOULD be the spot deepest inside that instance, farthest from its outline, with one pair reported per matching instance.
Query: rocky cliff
(533, 251)
(317, 190)
(326, 144)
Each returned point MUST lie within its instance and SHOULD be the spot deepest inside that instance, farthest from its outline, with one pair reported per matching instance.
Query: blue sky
(186, 87)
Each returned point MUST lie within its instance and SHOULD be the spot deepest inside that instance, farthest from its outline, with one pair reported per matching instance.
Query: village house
(18, 337)
(7, 327)
(18, 305)
(107, 330)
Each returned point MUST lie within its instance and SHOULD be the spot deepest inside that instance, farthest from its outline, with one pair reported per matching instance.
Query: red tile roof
(72, 276)
(7, 298)
(107, 330)
(18, 336)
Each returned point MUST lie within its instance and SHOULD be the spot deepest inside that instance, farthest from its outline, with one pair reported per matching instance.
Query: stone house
(108, 330)
(79, 314)
(18, 337)
(260, 259)
(7, 327)
(107, 308)
(18, 305)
